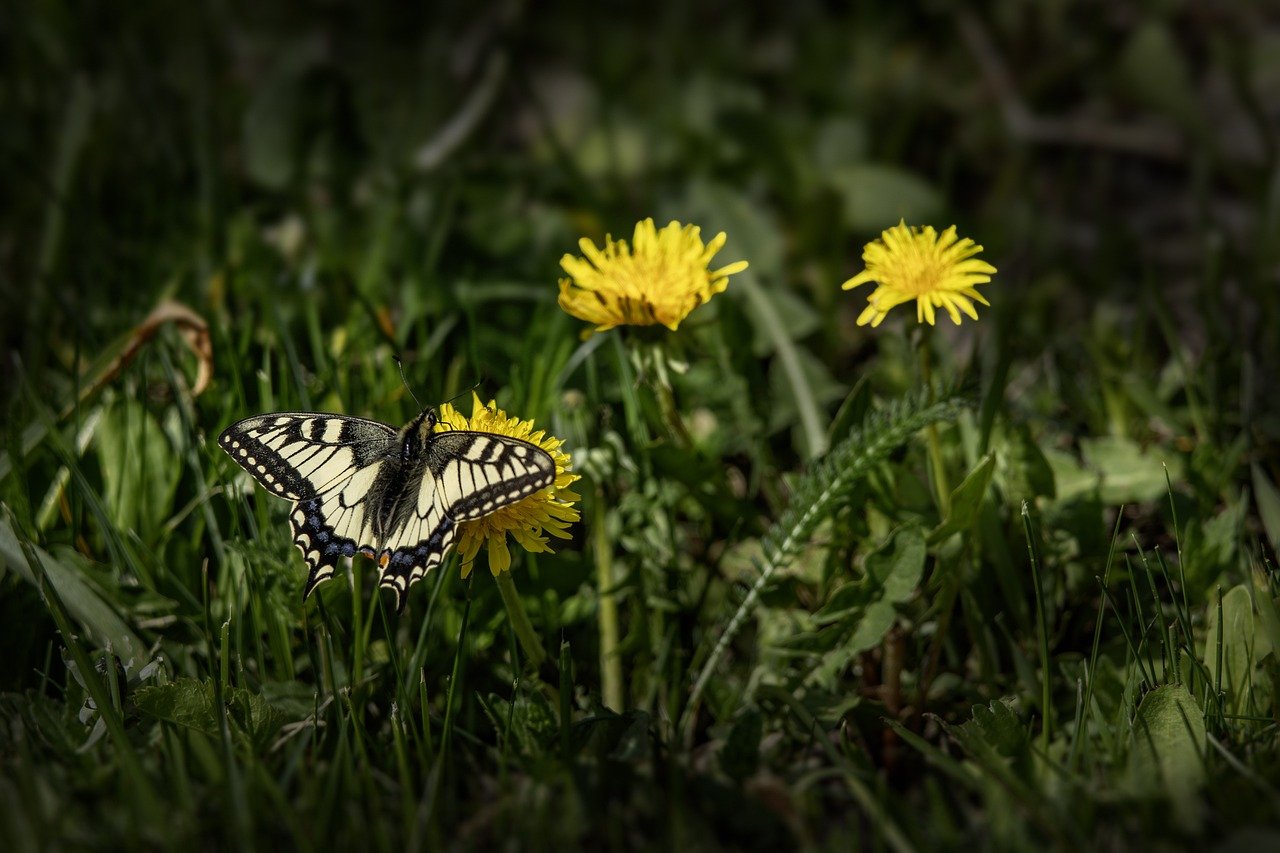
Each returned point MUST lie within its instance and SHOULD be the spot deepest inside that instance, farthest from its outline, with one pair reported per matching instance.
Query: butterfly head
(415, 437)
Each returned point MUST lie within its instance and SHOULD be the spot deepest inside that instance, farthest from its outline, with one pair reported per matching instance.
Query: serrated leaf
(186, 702)
(190, 702)
(999, 728)
(966, 500)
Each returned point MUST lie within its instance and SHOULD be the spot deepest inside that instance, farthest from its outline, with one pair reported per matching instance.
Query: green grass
(1011, 584)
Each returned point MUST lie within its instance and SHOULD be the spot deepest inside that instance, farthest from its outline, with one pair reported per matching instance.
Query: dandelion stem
(610, 662)
(936, 467)
(671, 414)
(520, 623)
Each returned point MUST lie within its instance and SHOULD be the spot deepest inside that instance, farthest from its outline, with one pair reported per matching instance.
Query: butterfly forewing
(466, 475)
(298, 455)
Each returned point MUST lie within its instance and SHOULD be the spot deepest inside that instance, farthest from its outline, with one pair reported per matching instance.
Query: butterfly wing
(464, 476)
(328, 465)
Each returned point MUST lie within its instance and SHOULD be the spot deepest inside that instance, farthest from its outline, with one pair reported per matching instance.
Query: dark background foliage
(328, 185)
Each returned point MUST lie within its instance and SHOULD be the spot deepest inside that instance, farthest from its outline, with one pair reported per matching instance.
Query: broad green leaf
(893, 572)
(966, 500)
(1245, 641)
(140, 469)
(86, 607)
(1167, 746)
(839, 143)
(1022, 471)
(1268, 500)
(1070, 478)
(1155, 72)
(875, 197)
(1210, 547)
(876, 621)
(751, 233)
(272, 124)
(1129, 473)
(897, 566)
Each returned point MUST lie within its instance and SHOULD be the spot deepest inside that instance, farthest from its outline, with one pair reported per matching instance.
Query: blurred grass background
(1087, 646)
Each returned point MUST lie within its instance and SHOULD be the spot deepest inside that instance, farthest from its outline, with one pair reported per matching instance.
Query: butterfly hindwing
(465, 475)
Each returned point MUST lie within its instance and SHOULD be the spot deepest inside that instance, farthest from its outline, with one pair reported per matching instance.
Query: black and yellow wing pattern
(360, 486)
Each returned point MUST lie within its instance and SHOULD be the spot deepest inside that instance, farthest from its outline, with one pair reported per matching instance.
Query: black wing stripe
(409, 563)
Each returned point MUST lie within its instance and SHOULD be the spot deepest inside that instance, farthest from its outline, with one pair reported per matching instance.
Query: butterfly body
(359, 486)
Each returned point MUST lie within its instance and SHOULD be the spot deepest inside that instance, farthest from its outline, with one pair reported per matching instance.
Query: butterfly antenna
(400, 364)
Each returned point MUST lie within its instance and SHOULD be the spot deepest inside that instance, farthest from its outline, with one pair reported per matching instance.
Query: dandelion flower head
(658, 279)
(937, 271)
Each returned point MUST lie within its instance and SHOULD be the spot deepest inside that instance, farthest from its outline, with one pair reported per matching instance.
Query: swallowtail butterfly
(359, 486)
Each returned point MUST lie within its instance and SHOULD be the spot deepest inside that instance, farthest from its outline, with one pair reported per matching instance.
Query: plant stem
(610, 662)
(936, 467)
(520, 623)
(1042, 620)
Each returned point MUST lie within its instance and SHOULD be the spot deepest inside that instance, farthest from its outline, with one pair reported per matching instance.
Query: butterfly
(359, 486)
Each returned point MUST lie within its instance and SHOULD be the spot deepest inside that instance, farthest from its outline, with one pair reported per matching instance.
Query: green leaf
(897, 566)
(1211, 547)
(752, 235)
(1268, 500)
(999, 728)
(876, 621)
(185, 702)
(1022, 471)
(82, 601)
(1153, 71)
(1167, 746)
(966, 500)
(1245, 641)
(140, 470)
(1070, 478)
(189, 702)
(839, 143)
(874, 197)
(272, 125)
(893, 572)
(1129, 474)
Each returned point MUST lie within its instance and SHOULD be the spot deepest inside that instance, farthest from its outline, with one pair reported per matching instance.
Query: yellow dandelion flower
(658, 279)
(529, 521)
(936, 271)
